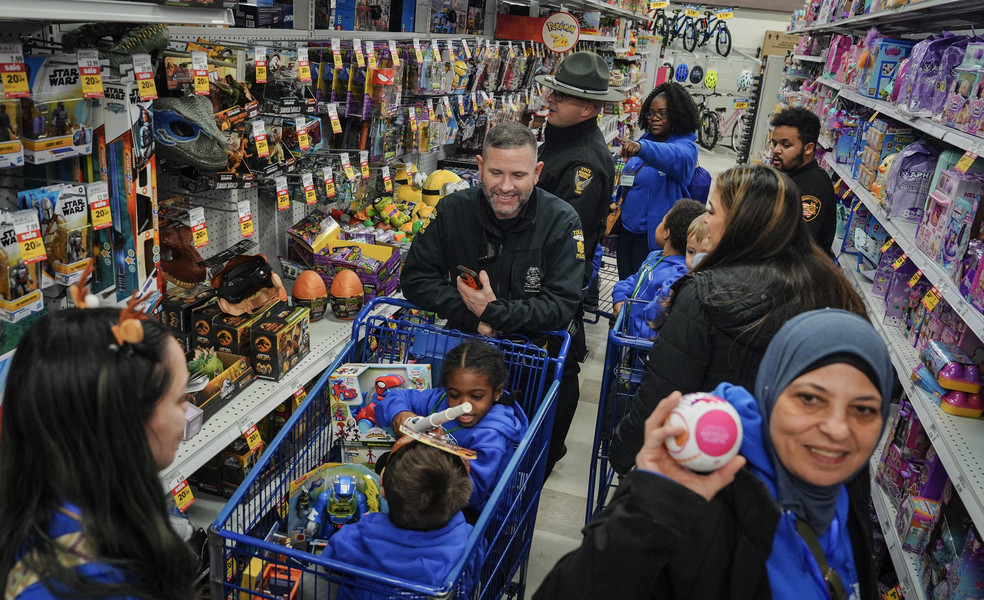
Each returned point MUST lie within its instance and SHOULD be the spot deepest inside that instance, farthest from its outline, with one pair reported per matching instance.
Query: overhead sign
(560, 32)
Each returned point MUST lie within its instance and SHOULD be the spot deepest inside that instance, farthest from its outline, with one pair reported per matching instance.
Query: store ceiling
(787, 6)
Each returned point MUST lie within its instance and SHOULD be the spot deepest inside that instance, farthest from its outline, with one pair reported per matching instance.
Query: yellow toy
(407, 187)
(439, 184)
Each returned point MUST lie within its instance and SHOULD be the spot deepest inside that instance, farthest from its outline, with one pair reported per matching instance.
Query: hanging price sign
(181, 491)
(14, 71)
(336, 53)
(461, 104)
(512, 51)
(394, 53)
(451, 56)
(413, 118)
(888, 244)
(692, 13)
(347, 167)
(307, 180)
(371, 54)
(260, 52)
(303, 140)
(430, 110)
(725, 15)
(387, 179)
(28, 233)
(466, 49)
(248, 427)
(474, 101)
(364, 163)
(102, 216)
(283, 195)
(329, 181)
(899, 261)
(658, 4)
(360, 59)
(90, 73)
(739, 104)
(199, 232)
(968, 158)
(245, 218)
(915, 278)
(199, 67)
(303, 65)
(932, 298)
(436, 49)
(143, 70)
(416, 50)
(259, 136)
(336, 125)
(447, 107)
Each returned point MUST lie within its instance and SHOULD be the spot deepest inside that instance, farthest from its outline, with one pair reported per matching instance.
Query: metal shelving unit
(918, 16)
(117, 11)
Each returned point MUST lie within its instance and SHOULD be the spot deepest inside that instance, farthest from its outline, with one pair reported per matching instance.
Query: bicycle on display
(714, 24)
(713, 125)
(680, 25)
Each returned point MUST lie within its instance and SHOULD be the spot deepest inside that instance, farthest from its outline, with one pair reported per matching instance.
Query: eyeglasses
(658, 115)
(559, 97)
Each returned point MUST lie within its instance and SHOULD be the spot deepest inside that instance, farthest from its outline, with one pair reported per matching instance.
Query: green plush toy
(206, 362)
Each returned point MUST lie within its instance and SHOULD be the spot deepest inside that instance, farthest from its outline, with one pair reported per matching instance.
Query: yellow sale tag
(387, 180)
(899, 261)
(201, 83)
(302, 139)
(253, 437)
(968, 158)
(262, 148)
(15, 80)
(246, 225)
(102, 217)
(31, 246)
(261, 72)
(888, 244)
(360, 60)
(364, 165)
(413, 119)
(183, 497)
(304, 71)
(230, 568)
(724, 16)
(92, 82)
(932, 298)
(336, 125)
(309, 196)
(915, 278)
(349, 171)
(394, 53)
(739, 104)
(283, 200)
(146, 86)
(201, 235)
(692, 13)
(371, 58)
(658, 4)
(330, 186)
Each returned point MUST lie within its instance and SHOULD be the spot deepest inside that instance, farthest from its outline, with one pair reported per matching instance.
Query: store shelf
(831, 83)
(906, 563)
(116, 11)
(587, 37)
(926, 15)
(958, 441)
(328, 337)
(247, 35)
(808, 58)
(626, 88)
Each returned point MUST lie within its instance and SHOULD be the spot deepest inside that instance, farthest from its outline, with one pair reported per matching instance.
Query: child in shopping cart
(698, 242)
(644, 294)
(424, 533)
(473, 372)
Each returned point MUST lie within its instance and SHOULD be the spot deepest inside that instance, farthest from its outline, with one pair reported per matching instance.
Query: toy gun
(422, 424)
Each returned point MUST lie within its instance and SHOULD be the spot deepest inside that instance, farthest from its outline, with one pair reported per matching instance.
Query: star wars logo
(114, 93)
(74, 207)
(9, 238)
(63, 77)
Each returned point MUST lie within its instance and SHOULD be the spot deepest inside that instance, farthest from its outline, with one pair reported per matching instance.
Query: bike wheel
(738, 132)
(723, 41)
(700, 31)
(707, 133)
(659, 25)
(689, 37)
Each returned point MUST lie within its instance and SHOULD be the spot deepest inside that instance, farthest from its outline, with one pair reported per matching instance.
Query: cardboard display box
(280, 339)
(235, 376)
(354, 388)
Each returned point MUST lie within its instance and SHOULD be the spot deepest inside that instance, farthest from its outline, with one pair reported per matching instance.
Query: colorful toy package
(63, 212)
(11, 147)
(20, 290)
(55, 120)
(356, 387)
(330, 496)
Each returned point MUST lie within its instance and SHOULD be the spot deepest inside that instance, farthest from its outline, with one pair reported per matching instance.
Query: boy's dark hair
(425, 487)
(681, 110)
(804, 121)
(479, 357)
(678, 221)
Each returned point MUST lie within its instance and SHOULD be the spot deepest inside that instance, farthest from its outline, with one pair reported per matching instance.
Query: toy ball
(745, 79)
(347, 295)
(681, 72)
(711, 79)
(438, 185)
(713, 432)
(696, 74)
(310, 291)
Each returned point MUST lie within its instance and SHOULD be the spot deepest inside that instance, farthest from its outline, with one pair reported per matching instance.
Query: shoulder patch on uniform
(582, 178)
(811, 207)
(577, 236)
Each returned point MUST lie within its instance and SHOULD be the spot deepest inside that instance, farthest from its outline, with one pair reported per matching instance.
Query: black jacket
(657, 539)
(534, 264)
(819, 203)
(708, 338)
(578, 167)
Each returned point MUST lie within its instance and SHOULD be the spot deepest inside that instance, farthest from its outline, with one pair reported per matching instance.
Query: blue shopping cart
(250, 560)
(625, 358)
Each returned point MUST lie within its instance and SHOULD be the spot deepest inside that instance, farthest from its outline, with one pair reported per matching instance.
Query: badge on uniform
(626, 179)
(811, 207)
(582, 178)
(578, 236)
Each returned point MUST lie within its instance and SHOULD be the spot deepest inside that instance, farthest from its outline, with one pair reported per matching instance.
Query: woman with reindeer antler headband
(93, 409)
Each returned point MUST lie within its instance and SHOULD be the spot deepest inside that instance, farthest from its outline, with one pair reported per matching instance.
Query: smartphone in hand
(470, 277)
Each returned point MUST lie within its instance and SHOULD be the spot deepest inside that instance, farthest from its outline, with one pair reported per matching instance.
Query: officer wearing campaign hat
(577, 167)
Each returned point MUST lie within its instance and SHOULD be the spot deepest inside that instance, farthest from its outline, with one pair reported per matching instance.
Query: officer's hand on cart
(486, 330)
(476, 300)
(654, 456)
(629, 147)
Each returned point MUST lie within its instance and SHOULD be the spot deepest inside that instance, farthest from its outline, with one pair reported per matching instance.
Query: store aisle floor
(562, 504)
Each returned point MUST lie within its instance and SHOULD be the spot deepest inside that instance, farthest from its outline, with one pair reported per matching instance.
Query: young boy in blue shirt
(644, 294)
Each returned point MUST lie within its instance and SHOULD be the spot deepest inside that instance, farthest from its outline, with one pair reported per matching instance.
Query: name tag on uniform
(627, 179)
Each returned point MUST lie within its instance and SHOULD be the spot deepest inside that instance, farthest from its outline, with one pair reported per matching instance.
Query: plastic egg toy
(347, 296)
(310, 291)
(713, 432)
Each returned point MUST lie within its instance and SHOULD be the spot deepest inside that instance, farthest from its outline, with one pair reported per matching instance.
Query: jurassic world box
(235, 376)
(281, 337)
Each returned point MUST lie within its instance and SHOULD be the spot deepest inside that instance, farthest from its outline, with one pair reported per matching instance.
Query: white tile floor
(562, 504)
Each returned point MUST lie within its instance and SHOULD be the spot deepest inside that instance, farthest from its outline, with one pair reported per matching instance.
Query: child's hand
(618, 307)
(400, 419)
(655, 457)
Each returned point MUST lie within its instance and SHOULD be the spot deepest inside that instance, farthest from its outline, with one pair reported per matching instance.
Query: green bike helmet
(711, 79)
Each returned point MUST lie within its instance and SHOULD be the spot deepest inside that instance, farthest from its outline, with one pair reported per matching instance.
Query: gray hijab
(803, 344)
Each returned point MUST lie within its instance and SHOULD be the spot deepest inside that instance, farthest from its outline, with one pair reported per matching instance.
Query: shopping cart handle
(422, 424)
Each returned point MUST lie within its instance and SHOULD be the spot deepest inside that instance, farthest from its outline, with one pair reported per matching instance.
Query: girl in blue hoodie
(473, 372)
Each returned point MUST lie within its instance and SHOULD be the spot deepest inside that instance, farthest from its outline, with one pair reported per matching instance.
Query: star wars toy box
(63, 212)
(130, 170)
(11, 147)
(281, 337)
(20, 292)
(354, 389)
(55, 119)
(235, 376)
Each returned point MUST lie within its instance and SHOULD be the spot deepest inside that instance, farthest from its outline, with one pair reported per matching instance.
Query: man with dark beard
(794, 142)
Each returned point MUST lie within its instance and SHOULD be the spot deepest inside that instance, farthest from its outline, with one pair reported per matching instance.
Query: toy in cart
(330, 496)
(354, 390)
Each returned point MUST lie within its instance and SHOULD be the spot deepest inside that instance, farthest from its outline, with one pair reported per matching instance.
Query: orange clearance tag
(245, 218)
(259, 136)
(307, 180)
(261, 64)
(90, 73)
(932, 298)
(198, 230)
(329, 182)
(28, 233)
(303, 67)
(283, 196)
(899, 262)
(915, 278)
(102, 216)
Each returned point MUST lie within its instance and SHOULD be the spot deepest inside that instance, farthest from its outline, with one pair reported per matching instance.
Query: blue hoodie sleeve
(623, 289)
(493, 440)
(396, 401)
(677, 156)
(664, 279)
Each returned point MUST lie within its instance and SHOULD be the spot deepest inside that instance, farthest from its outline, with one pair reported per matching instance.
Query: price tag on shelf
(511, 50)
(371, 54)
(303, 64)
(102, 216)
(888, 244)
(259, 60)
(181, 491)
(474, 101)
(899, 262)
(360, 58)
(692, 13)
(739, 104)
(303, 139)
(28, 233)
(283, 194)
(387, 179)
(245, 218)
(394, 53)
(932, 298)
(430, 110)
(14, 71)
(336, 53)
(725, 15)
(259, 136)
(436, 49)
(658, 4)
(932, 432)
(347, 167)
(447, 107)
(412, 111)
(143, 70)
(451, 56)
(364, 163)
(336, 125)
(299, 393)
(91, 73)
(307, 180)
(329, 181)
(461, 104)
(466, 49)
(199, 69)
(248, 427)
(915, 278)
(416, 50)
(968, 158)
(199, 231)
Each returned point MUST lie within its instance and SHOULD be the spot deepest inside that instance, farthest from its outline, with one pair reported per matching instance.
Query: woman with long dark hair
(764, 270)
(89, 419)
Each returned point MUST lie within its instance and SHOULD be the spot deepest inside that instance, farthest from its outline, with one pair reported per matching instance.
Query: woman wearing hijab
(786, 518)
